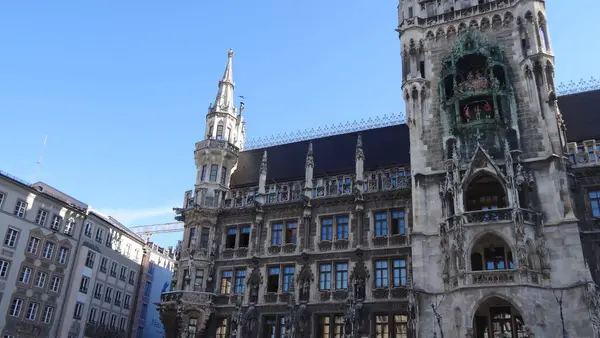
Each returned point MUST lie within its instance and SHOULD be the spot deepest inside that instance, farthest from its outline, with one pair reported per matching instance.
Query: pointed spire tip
(230, 53)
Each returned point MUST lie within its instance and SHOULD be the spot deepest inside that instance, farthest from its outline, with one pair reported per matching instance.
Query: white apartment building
(40, 238)
(102, 296)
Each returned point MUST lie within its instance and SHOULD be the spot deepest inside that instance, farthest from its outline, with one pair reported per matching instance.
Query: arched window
(490, 253)
(498, 318)
(485, 193)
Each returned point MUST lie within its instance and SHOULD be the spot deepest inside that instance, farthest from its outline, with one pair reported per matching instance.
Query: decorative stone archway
(497, 317)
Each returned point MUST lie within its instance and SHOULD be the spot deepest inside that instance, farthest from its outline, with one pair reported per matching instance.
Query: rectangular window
(103, 263)
(122, 323)
(277, 234)
(63, 255)
(144, 310)
(108, 294)
(595, 202)
(203, 176)
(331, 326)
(78, 310)
(327, 229)
(240, 281)
(274, 326)
(69, 226)
(99, 235)
(220, 132)
(32, 311)
(113, 321)
(324, 276)
(273, 279)
(191, 237)
(398, 223)
(118, 298)
(341, 229)
(229, 135)
(41, 217)
(20, 208)
(290, 232)
(213, 172)
(132, 277)
(199, 278)
(231, 237)
(40, 279)
(47, 315)
(223, 175)
(4, 265)
(382, 327)
(84, 284)
(1, 198)
(147, 289)
(15, 307)
(399, 272)
(381, 225)
(48, 250)
(33, 245)
(89, 260)
(88, 229)
(55, 285)
(192, 327)
(341, 276)
(103, 316)
(222, 328)
(186, 278)
(204, 236)
(113, 269)
(127, 302)
(410, 12)
(10, 240)
(123, 274)
(422, 69)
(56, 221)
(25, 275)
(288, 278)
(244, 237)
(92, 316)
(381, 274)
(226, 282)
(98, 291)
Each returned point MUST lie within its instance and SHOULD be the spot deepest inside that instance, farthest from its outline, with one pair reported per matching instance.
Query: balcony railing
(217, 144)
(500, 277)
(504, 214)
(187, 297)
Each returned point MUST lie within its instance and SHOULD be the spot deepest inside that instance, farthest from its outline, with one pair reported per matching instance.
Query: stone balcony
(502, 277)
(177, 307)
(217, 144)
(494, 215)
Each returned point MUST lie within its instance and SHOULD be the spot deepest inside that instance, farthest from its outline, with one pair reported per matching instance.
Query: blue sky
(121, 87)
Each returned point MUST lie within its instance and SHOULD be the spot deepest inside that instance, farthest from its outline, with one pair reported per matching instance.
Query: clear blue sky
(121, 87)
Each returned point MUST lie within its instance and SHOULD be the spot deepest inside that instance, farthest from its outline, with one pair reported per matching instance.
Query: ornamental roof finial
(263, 164)
(359, 148)
(309, 156)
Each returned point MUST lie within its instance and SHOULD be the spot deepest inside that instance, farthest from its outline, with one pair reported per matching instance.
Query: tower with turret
(495, 240)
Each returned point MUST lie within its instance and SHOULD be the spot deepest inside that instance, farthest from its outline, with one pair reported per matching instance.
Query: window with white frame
(122, 324)
(339, 272)
(56, 221)
(103, 264)
(25, 275)
(108, 294)
(78, 310)
(84, 284)
(69, 227)
(99, 235)
(32, 245)
(334, 227)
(98, 291)
(40, 279)
(113, 321)
(113, 269)
(203, 175)
(10, 239)
(1, 198)
(223, 175)
(132, 277)
(63, 255)
(47, 314)
(32, 311)
(48, 250)
(55, 285)
(127, 302)
(88, 229)
(123, 274)
(41, 217)
(15, 307)
(4, 266)
(89, 260)
(118, 298)
(214, 168)
(92, 315)
(20, 208)
(127, 250)
(103, 316)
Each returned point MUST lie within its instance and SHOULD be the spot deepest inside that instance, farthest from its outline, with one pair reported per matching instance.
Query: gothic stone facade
(476, 218)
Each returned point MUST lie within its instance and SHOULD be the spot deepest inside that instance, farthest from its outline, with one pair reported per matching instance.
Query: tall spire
(224, 100)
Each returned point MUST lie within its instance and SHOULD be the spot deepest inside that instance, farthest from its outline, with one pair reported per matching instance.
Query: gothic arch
(429, 35)
(482, 183)
(462, 28)
(549, 69)
(406, 95)
(482, 235)
(451, 32)
(493, 295)
(528, 16)
(485, 24)
(508, 18)
(474, 24)
(477, 173)
(440, 33)
(496, 21)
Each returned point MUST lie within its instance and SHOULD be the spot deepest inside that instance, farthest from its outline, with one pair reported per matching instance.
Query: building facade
(478, 218)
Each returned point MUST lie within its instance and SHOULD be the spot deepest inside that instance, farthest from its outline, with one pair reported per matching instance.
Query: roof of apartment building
(384, 147)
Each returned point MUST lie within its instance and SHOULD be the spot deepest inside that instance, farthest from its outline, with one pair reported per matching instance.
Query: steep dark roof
(580, 112)
(383, 147)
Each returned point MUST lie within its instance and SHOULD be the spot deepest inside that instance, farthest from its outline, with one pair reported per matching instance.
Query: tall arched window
(485, 193)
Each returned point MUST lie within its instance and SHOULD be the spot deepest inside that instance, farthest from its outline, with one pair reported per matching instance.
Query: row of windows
(42, 217)
(110, 243)
(32, 312)
(332, 276)
(29, 276)
(327, 326)
(90, 261)
(214, 168)
(96, 316)
(47, 251)
(106, 293)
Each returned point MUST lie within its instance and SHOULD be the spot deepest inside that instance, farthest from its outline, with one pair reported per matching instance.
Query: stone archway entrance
(497, 318)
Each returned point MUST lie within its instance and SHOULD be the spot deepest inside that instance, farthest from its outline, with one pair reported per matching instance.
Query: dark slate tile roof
(383, 147)
(580, 112)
